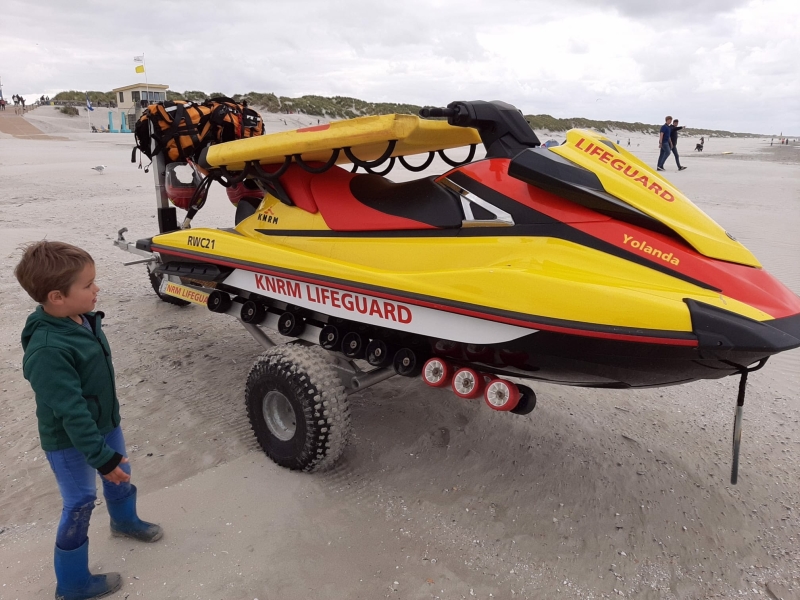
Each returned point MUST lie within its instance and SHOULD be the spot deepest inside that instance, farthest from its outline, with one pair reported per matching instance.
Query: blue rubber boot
(75, 582)
(125, 522)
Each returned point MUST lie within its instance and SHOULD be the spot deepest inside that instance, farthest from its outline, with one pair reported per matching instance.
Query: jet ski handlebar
(503, 130)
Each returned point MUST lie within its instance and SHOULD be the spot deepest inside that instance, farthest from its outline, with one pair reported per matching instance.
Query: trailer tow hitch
(127, 246)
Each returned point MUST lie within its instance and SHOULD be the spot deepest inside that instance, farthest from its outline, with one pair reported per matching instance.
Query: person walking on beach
(67, 361)
(664, 143)
(673, 138)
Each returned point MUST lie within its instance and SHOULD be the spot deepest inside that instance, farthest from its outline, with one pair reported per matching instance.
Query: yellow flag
(140, 68)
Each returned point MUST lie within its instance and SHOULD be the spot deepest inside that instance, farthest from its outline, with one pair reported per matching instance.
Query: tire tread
(327, 415)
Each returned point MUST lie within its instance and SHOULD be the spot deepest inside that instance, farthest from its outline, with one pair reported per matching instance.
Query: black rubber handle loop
(227, 179)
(455, 163)
(384, 172)
(259, 173)
(421, 167)
(316, 170)
(366, 164)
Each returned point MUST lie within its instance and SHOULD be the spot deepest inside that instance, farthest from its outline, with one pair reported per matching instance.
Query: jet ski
(574, 264)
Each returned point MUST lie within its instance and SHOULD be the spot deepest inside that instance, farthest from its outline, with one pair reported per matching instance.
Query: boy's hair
(48, 266)
(668, 118)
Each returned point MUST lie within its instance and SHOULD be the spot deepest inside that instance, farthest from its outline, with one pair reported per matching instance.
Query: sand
(596, 494)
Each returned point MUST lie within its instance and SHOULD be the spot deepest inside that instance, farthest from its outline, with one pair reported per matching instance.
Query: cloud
(679, 10)
(720, 63)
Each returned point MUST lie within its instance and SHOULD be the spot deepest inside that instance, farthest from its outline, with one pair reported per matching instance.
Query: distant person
(67, 361)
(629, 142)
(673, 138)
(699, 146)
(664, 143)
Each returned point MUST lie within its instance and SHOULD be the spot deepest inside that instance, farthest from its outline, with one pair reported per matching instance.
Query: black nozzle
(428, 113)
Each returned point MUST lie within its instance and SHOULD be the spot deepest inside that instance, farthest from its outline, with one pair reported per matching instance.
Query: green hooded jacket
(70, 371)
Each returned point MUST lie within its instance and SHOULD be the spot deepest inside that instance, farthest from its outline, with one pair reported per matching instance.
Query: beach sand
(596, 494)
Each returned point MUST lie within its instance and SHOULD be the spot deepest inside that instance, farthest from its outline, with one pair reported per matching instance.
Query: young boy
(68, 364)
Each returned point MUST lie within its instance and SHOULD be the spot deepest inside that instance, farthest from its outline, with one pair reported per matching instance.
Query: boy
(68, 364)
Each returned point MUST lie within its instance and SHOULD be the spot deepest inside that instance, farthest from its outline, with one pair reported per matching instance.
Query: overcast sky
(723, 64)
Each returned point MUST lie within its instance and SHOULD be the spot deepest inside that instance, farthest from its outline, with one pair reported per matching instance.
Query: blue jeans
(677, 158)
(664, 155)
(78, 486)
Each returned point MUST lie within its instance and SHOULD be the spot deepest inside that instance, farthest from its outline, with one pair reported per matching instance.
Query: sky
(720, 64)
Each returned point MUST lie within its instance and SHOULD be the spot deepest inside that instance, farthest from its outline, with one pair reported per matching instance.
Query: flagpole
(146, 85)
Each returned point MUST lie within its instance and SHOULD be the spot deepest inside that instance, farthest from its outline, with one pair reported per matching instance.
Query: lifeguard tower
(131, 98)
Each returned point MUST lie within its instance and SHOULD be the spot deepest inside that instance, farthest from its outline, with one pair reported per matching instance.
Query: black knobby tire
(155, 281)
(299, 377)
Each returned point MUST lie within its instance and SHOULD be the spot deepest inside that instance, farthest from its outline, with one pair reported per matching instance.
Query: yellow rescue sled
(365, 138)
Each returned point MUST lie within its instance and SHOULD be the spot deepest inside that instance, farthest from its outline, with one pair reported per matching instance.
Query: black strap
(172, 132)
(180, 111)
(199, 197)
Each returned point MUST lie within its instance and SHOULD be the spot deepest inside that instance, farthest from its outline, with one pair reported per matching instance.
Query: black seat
(247, 207)
(421, 200)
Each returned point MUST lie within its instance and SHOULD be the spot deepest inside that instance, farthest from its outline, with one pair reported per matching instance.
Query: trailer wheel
(298, 408)
(436, 372)
(467, 383)
(155, 281)
(501, 395)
